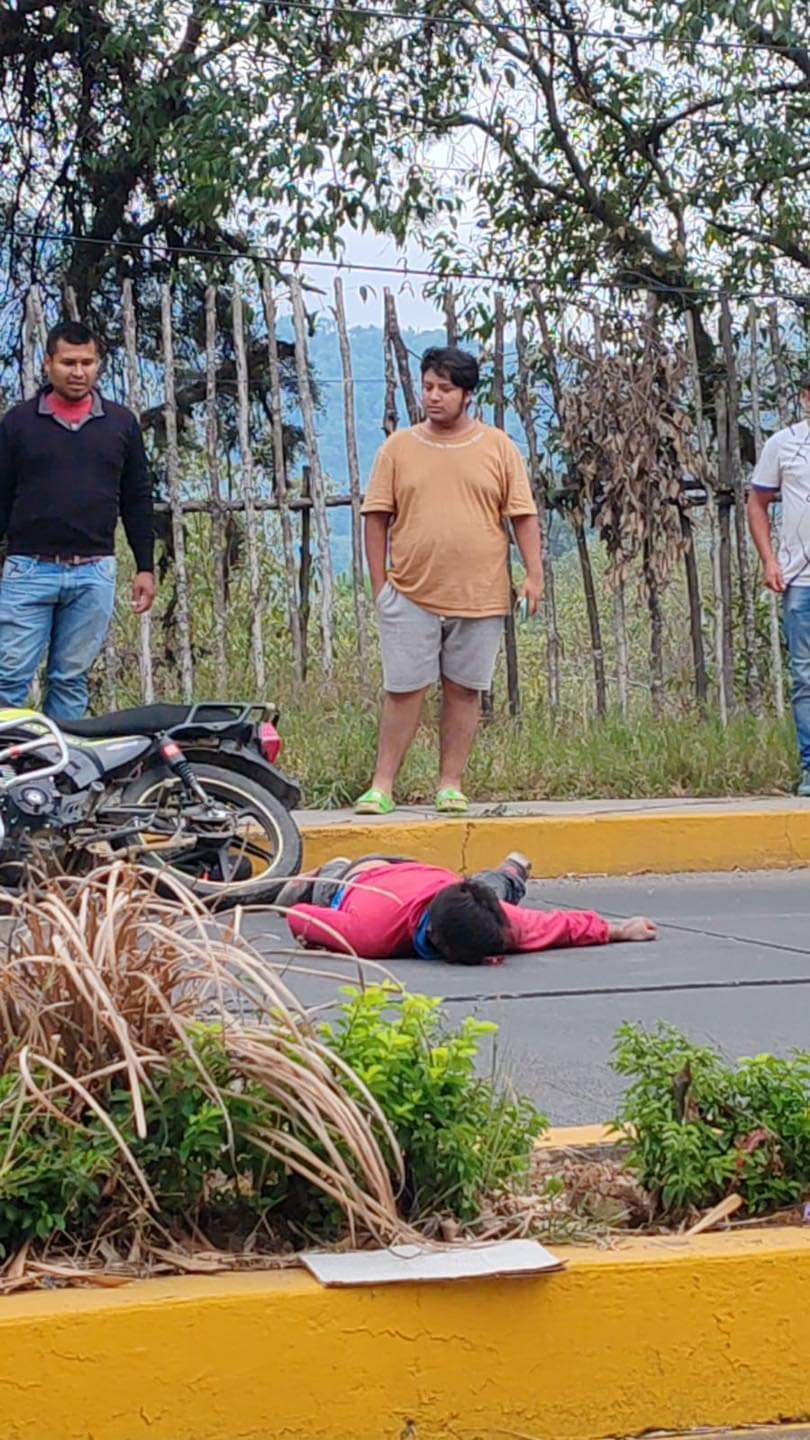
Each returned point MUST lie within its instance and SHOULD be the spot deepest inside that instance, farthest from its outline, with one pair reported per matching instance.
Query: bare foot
(638, 928)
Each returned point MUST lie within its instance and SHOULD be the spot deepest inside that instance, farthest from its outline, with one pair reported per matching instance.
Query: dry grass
(102, 979)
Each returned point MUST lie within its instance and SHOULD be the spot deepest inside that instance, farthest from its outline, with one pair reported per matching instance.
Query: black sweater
(62, 490)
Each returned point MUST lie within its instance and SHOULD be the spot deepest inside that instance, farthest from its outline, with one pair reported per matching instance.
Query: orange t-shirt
(448, 500)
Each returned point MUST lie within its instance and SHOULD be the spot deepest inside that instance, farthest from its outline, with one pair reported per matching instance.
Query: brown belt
(70, 559)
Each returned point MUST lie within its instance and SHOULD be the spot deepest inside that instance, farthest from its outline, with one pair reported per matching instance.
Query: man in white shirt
(783, 473)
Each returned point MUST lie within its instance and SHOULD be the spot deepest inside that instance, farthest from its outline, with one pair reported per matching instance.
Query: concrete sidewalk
(554, 809)
(580, 837)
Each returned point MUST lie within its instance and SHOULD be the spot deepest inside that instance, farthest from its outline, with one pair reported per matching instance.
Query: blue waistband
(337, 899)
(421, 942)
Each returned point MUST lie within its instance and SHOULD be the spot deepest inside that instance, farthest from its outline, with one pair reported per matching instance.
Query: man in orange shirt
(437, 551)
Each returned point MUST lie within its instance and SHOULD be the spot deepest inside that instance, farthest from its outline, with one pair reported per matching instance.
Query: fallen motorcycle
(191, 791)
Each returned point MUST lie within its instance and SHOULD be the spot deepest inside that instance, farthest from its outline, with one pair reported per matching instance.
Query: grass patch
(330, 743)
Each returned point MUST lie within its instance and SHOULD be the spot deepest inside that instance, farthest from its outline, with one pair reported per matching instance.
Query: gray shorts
(418, 646)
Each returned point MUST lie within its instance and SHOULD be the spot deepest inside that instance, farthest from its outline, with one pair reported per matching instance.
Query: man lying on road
(381, 908)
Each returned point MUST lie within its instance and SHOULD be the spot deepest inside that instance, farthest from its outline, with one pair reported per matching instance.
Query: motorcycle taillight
(269, 741)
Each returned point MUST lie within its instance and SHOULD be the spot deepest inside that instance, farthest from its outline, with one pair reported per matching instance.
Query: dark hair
(467, 924)
(73, 332)
(804, 381)
(453, 364)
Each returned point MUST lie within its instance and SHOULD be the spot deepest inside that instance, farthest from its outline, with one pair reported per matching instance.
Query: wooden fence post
(539, 489)
(251, 527)
(175, 501)
(753, 685)
(499, 399)
(774, 628)
(134, 402)
(352, 459)
(218, 529)
(316, 475)
(401, 356)
(305, 570)
(577, 522)
(280, 476)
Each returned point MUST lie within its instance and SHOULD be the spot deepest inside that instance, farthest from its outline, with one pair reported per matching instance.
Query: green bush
(462, 1136)
(700, 1128)
(65, 1179)
(64, 1175)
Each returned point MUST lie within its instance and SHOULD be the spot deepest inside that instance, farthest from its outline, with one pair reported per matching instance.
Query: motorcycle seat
(149, 720)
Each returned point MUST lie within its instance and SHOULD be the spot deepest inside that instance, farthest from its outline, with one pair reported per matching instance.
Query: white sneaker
(518, 858)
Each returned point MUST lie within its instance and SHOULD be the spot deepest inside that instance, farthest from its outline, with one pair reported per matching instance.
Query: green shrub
(61, 1178)
(701, 1128)
(461, 1135)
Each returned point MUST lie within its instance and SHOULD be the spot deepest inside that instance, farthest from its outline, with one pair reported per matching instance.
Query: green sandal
(374, 802)
(451, 802)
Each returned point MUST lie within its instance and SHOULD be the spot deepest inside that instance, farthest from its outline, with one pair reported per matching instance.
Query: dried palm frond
(632, 444)
(102, 977)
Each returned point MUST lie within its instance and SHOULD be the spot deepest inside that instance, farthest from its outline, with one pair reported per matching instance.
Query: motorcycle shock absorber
(181, 767)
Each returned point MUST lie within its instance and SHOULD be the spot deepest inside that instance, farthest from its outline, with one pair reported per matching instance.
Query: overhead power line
(777, 44)
(644, 281)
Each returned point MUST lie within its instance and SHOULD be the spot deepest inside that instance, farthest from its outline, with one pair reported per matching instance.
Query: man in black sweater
(71, 463)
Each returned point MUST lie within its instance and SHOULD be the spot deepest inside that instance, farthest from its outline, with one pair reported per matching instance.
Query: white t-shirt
(785, 465)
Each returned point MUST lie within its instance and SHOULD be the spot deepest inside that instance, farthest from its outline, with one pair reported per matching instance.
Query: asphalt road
(732, 966)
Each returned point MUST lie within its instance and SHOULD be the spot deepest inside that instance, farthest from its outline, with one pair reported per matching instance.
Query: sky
(365, 248)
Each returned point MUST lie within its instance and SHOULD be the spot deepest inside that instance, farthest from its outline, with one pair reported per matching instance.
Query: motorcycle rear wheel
(269, 840)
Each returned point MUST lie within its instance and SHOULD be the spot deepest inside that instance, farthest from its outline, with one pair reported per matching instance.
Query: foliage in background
(700, 1128)
(462, 1135)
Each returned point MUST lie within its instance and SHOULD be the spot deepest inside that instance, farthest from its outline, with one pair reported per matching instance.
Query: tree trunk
(316, 476)
(72, 304)
(753, 685)
(280, 478)
(450, 316)
(175, 501)
(218, 532)
(29, 364)
(350, 424)
(134, 402)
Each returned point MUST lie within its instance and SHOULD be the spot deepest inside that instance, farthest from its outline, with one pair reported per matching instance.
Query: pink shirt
(380, 914)
(70, 410)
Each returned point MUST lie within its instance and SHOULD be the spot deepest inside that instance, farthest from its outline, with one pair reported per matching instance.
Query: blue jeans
(797, 634)
(64, 609)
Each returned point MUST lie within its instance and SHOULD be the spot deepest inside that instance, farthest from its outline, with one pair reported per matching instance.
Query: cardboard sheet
(413, 1263)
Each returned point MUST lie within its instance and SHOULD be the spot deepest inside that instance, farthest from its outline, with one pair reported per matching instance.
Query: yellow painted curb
(658, 1334)
(661, 842)
(577, 1137)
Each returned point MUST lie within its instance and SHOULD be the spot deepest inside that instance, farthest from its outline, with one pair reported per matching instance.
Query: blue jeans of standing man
(64, 609)
(797, 634)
